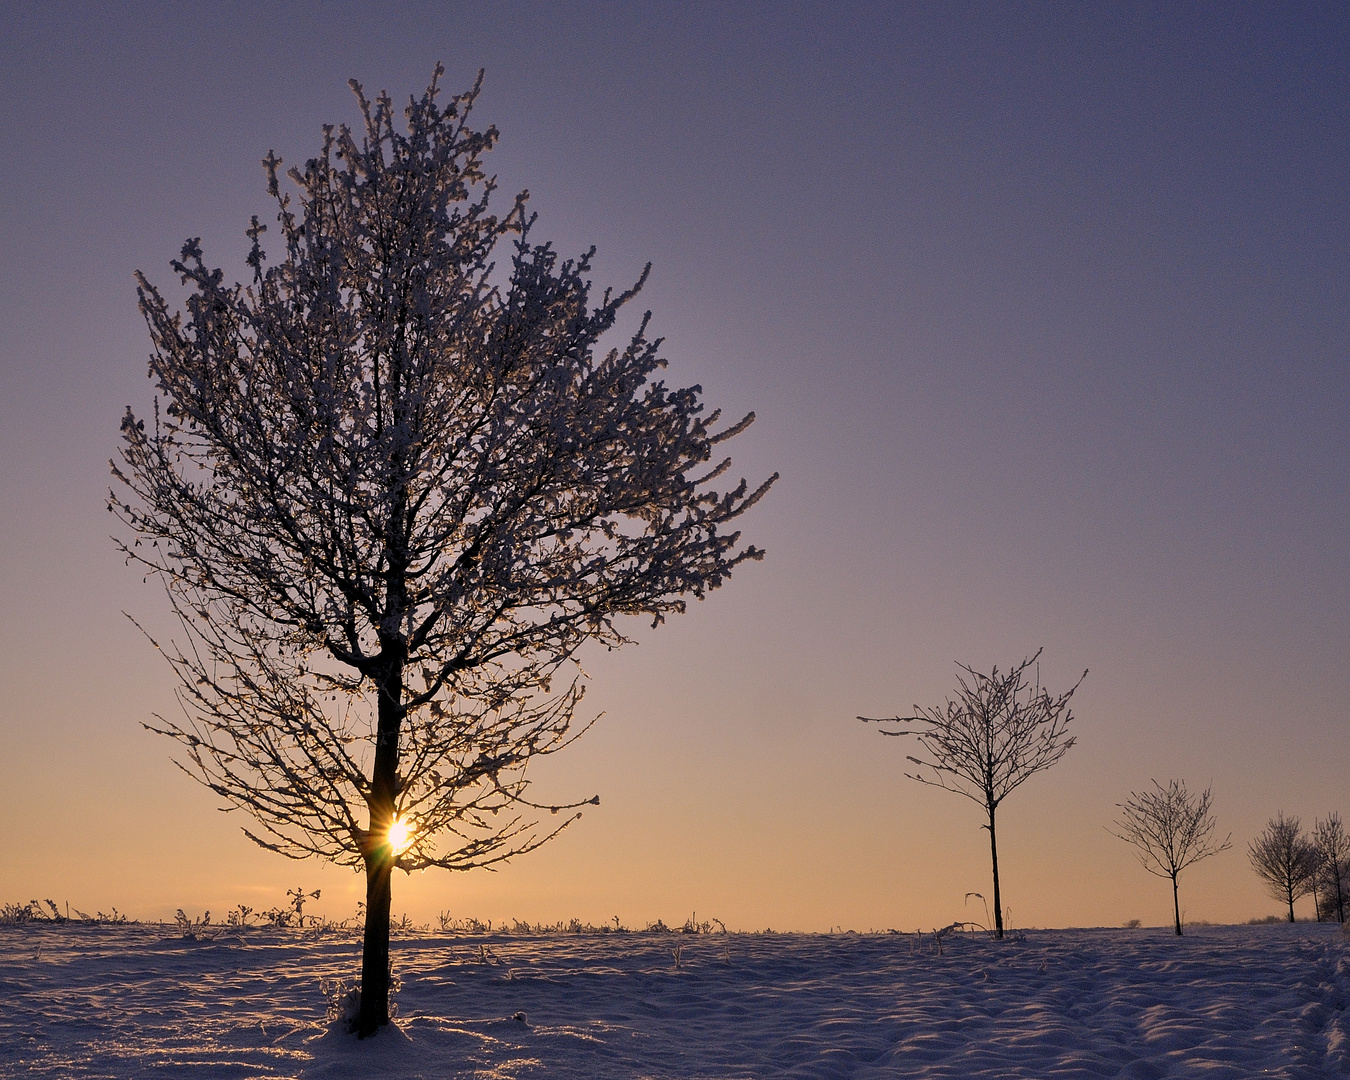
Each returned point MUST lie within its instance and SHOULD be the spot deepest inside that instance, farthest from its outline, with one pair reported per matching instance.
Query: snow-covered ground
(138, 1001)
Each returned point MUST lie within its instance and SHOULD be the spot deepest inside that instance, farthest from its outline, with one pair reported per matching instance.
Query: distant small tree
(1333, 849)
(999, 731)
(1285, 859)
(1172, 829)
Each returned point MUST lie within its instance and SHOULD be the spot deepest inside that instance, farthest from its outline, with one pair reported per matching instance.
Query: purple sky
(1043, 309)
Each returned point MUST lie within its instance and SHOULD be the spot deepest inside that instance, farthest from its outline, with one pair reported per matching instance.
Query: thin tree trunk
(384, 780)
(1291, 904)
(1176, 905)
(993, 854)
(374, 1013)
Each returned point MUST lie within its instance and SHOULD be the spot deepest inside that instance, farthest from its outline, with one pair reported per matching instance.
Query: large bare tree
(391, 490)
(1285, 859)
(1000, 730)
(1172, 829)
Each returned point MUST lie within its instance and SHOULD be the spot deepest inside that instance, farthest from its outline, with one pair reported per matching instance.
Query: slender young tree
(391, 491)
(1172, 829)
(1333, 848)
(1000, 730)
(1285, 859)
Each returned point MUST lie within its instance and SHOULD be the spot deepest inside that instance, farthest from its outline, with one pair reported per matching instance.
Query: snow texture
(133, 1001)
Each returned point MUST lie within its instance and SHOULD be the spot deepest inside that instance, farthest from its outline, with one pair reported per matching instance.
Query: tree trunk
(1291, 903)
(1176, 905)
(993, 854)
(374, 1013)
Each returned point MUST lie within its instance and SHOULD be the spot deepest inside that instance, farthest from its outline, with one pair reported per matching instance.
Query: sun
(400, 835)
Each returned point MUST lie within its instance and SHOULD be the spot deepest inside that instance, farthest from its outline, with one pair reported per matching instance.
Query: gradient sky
(1043, 311)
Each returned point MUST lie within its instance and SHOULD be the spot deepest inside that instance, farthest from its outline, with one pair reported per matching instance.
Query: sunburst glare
(400, 835)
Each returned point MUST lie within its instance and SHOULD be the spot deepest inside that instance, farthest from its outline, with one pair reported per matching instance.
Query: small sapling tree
(391, 491)
(1000, 730)
(1333, 849)
(1172, 829)
(1285, 859)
